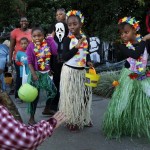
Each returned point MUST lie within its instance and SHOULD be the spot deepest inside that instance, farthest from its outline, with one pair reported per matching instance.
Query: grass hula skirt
(44, 82)
(128, 112)
(75, 97)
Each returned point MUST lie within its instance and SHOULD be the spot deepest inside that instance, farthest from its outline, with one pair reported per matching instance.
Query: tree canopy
(101, 16)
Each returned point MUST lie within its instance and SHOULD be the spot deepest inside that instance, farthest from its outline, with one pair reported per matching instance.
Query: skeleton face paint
(60, 31)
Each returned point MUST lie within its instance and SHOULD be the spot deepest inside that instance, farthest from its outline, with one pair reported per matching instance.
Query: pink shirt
(17, 34)
(138, 65)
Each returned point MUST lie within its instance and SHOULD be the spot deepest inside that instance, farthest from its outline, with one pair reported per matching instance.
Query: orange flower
(115, 83)
(71, 36)
(136, 25)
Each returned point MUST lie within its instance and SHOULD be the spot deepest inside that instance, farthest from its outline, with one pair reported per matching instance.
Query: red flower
(148, 73)
(133, 76)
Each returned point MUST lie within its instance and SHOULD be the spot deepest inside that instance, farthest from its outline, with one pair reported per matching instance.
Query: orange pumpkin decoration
(115, 83)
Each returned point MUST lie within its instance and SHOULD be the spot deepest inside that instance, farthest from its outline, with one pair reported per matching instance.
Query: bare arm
(146, 37)
(35, 77)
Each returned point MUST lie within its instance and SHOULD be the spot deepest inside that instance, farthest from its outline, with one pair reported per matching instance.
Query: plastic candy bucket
(92, 78)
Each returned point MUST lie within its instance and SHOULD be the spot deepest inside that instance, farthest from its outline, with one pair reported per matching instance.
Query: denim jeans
(2, 82)
(2, 62)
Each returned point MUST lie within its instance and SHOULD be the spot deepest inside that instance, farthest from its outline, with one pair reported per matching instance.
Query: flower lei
(129, 44)
(139, 60)
(43, 55)
(75, 13)
(80, 61)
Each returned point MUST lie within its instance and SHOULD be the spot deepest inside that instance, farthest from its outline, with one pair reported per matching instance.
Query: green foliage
(101, 16)
(141, 2)
(105, 87)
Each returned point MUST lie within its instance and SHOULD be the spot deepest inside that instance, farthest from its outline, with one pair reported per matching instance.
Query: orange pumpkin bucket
(8, 78)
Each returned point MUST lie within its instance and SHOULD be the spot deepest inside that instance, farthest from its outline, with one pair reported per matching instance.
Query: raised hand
(60, 117)
(80, 42)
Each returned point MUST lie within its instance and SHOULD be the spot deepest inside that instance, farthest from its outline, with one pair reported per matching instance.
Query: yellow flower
(124, 19)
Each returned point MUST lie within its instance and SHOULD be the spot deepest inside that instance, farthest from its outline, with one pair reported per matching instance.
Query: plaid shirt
(15, 135)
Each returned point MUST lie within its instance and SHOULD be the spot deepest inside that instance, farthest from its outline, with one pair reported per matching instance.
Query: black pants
(18, 80)
(56, 78)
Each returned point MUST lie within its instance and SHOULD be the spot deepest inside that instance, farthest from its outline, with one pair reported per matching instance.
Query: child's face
(60, 15)
(128, 33)
(37, 37)
(24, 44)
(74, 25)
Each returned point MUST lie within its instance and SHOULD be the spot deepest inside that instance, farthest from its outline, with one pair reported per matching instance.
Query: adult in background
(15, 37)
(60, 17)
(59, 31)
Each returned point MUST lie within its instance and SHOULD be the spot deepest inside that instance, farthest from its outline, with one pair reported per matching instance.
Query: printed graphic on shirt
(94, 49)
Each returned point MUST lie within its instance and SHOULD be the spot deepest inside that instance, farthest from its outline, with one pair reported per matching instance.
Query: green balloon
(27, 93)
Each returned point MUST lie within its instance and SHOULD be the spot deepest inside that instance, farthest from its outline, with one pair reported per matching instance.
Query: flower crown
(130, 21)
(75, 13)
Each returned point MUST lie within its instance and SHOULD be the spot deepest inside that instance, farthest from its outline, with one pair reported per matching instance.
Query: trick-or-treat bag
(24, 75)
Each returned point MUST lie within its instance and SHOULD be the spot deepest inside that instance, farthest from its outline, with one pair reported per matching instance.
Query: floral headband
(130, 21)
(75, 13)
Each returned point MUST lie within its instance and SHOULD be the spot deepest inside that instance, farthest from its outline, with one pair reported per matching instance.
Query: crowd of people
(64, 53)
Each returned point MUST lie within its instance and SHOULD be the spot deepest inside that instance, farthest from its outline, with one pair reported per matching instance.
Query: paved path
(87, 139)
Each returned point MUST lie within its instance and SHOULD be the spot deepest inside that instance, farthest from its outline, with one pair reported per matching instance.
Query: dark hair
(24, 38)
(61, 9)
(37, 28)
(122, 25)
(74, 16)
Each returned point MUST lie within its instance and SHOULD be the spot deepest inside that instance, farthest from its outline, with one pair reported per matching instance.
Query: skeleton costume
(75, 97)
(128, 112)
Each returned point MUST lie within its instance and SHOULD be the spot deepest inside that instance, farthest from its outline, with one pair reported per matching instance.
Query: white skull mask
(60, 31)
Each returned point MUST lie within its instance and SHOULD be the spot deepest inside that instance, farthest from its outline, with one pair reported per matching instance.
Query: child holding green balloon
(39, 53)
